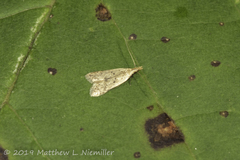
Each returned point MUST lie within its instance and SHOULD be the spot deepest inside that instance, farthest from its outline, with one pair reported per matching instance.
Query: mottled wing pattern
(104, 81)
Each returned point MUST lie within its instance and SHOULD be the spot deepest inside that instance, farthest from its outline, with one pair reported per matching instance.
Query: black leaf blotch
(102, 13)
(165, 39)
(150, 107)
(137, 154)
(163, 132)
(224, 113)
(132, 37)
(192, 77)
(52, 71)
(215, 63)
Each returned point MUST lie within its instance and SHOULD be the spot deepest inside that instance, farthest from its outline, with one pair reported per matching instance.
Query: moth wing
(95, 76)
(102, 75)
(101, 87)
(121, 76)
(104, 81)
(97, 89)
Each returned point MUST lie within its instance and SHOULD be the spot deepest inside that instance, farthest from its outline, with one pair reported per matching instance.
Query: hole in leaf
(137, 155)
(192, 77)
(165, 39)
(221, 24)
(52, 71)
(102, 13)
(215, 63)
(150, 107)
(163, 132)
(4, 153)
(51, 15)
(132, 37)
(224, 113)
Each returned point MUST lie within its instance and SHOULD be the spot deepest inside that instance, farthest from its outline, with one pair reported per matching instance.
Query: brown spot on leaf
(215, 63)
(137, 155)
(165, 39)
(102, 13)
(224, 113)
(192, 77)
(163, 132)
(81, 129)
(132, 37)
(221, 24)
(52, 71)
(150, 107)
(4, 154)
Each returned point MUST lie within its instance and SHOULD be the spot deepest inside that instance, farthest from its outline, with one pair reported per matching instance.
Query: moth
(104, 81)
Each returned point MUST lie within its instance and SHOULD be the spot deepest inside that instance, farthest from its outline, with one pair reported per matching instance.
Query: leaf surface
(40, 111)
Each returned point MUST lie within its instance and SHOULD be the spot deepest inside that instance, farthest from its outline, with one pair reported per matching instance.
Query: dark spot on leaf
(181, 12)
(102, 13)
(165, 39)
(221, 24)
(51, 15)
(192, 77)
(224, 113)
(81, 129)
(215, 63)
(163, 132)
(150, 107)
(137, 154)
(132, 37)
(3, 154)
(52, 71)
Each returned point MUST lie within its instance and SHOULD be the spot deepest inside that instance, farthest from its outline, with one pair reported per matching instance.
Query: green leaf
(41, 111)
